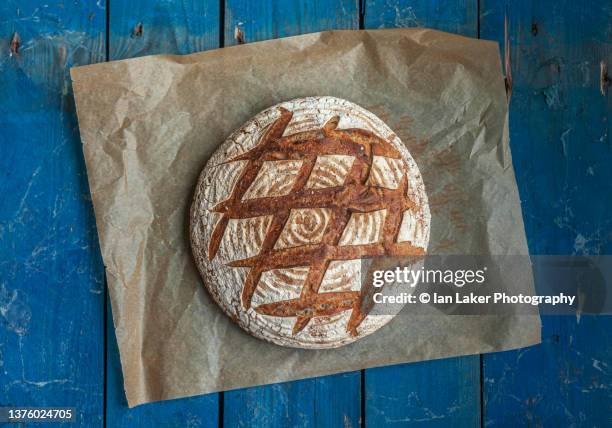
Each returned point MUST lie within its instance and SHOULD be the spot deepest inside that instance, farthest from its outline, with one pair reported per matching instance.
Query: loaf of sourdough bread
(289, 206)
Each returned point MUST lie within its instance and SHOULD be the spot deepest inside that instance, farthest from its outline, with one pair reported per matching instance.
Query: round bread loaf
(289, 205)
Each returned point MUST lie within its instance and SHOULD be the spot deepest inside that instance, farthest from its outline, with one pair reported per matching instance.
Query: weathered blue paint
(443, 392)
(140, 28)
(51, 277)
(280, 18)
(560, 140)
(454, 16)
(330, 401)
(563, 382)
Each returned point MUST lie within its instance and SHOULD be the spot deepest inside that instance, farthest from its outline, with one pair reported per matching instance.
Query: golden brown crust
(284, 212)
(354, 196)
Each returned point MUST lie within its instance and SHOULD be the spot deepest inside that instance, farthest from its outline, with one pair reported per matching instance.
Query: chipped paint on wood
(15, 44)
(51, 279)
(140, 28)
(604, 78)
(51, 351)
(251, 21)
(239, 34)
(559, 135)
(137, 32)
(455, 16)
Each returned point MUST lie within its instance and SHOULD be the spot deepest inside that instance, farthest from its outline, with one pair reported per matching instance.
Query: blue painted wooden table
(57, 345)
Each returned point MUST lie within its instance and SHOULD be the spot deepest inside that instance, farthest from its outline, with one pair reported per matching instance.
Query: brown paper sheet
(149, 124)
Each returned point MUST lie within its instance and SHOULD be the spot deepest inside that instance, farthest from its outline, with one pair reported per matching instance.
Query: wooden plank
(442, 392)
(332, 400)
(51, 275)
(138, 28)
(560, 140)
(454, 16)
(329, 401)
(141, 27)
(565, 381)
(264, 20)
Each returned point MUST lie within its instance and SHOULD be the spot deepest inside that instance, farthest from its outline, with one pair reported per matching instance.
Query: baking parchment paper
(149, 124)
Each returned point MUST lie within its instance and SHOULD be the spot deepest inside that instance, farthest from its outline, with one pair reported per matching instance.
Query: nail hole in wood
(604, 78)
(15, 44)
(239, 35)
(137, 32)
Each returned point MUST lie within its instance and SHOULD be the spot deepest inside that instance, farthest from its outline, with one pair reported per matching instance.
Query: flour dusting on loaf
(289, 205)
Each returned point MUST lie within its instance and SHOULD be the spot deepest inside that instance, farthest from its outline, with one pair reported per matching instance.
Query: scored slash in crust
(355, 195)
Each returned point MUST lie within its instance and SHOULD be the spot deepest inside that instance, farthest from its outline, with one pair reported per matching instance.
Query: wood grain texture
(140, 28)
(564, 381)
(441, 393)
(560, 140)
(251, 21)
(51, 276)
(454, 16)
(404, 395)
(332, 400)
(171, 27)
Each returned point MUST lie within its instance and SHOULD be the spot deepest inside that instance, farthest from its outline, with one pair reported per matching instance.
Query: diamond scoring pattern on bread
(355, 206)
(275, 178)
(333, 195)
(304, 226)
(329, 171)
